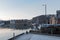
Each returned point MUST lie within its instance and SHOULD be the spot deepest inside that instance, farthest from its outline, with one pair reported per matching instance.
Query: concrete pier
(31, 36)
(13, 38)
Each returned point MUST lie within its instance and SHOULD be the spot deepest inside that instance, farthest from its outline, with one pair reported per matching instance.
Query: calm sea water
(5, 34)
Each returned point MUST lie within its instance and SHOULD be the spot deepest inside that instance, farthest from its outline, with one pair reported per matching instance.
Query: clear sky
(26, 9)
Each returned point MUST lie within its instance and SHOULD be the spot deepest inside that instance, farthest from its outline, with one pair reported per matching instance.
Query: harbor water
(6, 33)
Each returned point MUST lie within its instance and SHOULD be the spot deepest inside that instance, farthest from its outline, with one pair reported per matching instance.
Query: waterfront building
(12, 24)
(52, 20)
(58, 16)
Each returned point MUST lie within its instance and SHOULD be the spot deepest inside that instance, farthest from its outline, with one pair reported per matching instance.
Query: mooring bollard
(13, 36)
(26, 32)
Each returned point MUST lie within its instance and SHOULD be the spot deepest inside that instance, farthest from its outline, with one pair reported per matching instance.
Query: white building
(12, 23)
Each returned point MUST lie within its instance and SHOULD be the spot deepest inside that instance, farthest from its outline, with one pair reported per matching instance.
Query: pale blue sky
(26, 9)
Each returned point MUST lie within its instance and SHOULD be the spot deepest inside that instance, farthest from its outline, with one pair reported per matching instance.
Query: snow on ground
(37, 37)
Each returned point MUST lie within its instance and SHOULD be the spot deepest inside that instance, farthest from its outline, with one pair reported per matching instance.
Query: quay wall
(16, 36)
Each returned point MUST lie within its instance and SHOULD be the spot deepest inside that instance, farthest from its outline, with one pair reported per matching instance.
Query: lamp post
(45, 8)
(45, 11)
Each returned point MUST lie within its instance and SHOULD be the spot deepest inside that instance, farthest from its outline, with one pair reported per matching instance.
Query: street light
(45, 8)
(45, 11)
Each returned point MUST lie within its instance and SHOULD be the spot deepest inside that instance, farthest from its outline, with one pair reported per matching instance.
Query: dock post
(13, 36)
